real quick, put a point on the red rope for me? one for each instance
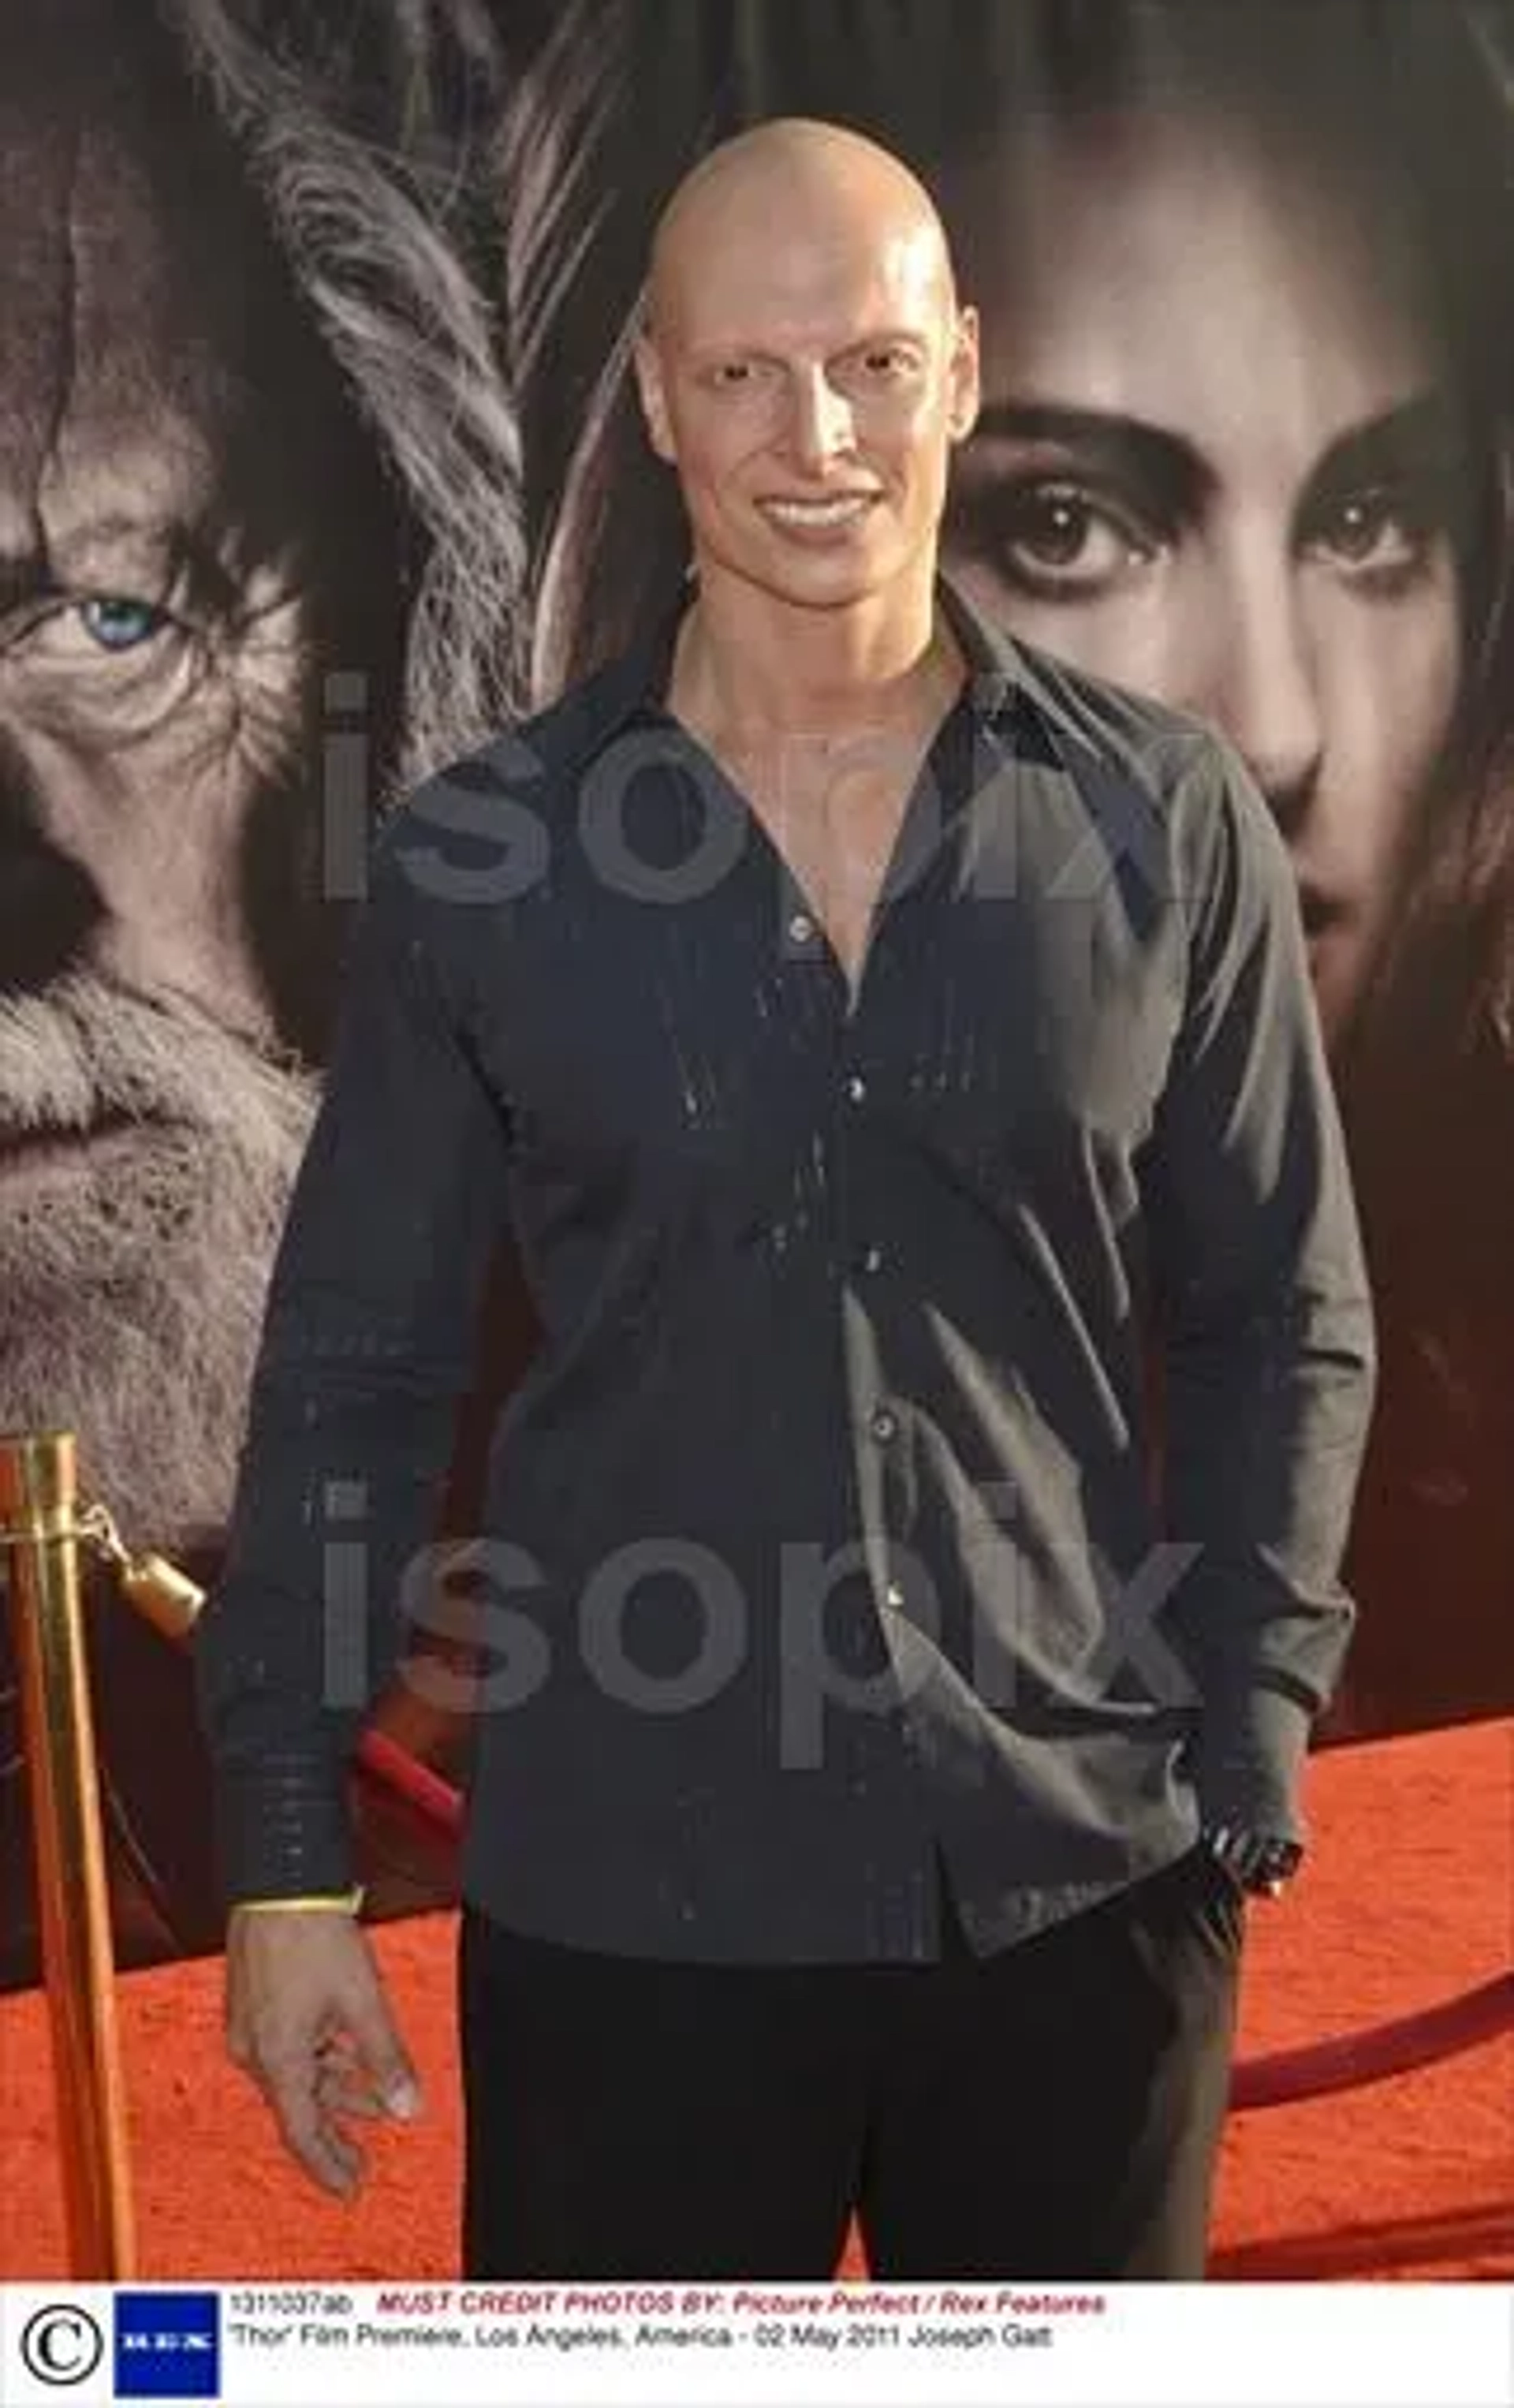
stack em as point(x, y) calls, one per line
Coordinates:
point(1373, 2053)
point(434, 1799)
point(1379, 2051)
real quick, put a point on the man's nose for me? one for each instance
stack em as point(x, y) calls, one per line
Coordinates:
point(49, 904)
point(820, 419)
point(1264, 691)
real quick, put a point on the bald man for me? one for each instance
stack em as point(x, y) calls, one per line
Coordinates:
point(880, 1048)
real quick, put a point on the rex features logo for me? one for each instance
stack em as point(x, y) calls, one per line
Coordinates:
point(167, 2345)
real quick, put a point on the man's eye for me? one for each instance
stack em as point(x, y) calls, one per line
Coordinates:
point(117, 623)
point(112, 640)
point(876, 364)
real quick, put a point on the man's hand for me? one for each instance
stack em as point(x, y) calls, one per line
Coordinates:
point(307, 2018)
point(1261, 1863)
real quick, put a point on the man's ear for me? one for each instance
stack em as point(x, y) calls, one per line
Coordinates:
point(966, 375)
point(648, 375)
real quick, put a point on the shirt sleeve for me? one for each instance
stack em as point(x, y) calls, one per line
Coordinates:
point(367, 1347)
point(1263, 1318)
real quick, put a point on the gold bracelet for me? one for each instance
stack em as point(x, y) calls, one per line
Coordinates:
point(347, 1902)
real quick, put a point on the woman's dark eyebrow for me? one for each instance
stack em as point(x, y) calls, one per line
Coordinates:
point(1419, 438)
point(1159, 464)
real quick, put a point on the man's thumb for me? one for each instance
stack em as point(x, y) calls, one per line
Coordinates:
point(395, 2077)
point(402, 2096)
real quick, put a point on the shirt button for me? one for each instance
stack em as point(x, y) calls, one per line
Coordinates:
point(856, 1088)
point(884, 1425)
point(801, 928)
point(870, 1259)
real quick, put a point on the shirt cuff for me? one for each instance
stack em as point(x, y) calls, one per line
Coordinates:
point(284, 1830)
point(1248, 1762)
point(343, 1902)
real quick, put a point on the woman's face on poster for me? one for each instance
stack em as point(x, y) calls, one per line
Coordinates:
point(1215, 463)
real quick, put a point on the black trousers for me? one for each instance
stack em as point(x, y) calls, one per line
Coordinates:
point(1050, 2113)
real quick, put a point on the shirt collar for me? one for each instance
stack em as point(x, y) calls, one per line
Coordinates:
point(631, 689)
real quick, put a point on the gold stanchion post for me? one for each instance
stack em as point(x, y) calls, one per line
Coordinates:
point(39, 1536)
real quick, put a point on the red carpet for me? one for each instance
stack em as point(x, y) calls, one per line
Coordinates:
point(1409, 1900)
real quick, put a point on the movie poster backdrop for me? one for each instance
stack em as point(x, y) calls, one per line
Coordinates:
point(320, 459)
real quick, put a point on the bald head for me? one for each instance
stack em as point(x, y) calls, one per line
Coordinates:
point(805, 368)
point(791, 180)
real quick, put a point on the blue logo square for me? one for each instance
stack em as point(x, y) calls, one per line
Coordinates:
point(167, 2345)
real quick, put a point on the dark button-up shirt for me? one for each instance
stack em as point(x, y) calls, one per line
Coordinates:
point(943, 1433)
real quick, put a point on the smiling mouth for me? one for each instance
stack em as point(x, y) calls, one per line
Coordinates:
point(832, 511)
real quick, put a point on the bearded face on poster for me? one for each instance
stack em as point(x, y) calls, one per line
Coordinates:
point(261, 554)
point(233, 540)
point(1246, 445)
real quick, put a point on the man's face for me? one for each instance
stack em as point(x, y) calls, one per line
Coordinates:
point(806, 374)
point(1212, 465)
point(175, 553)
